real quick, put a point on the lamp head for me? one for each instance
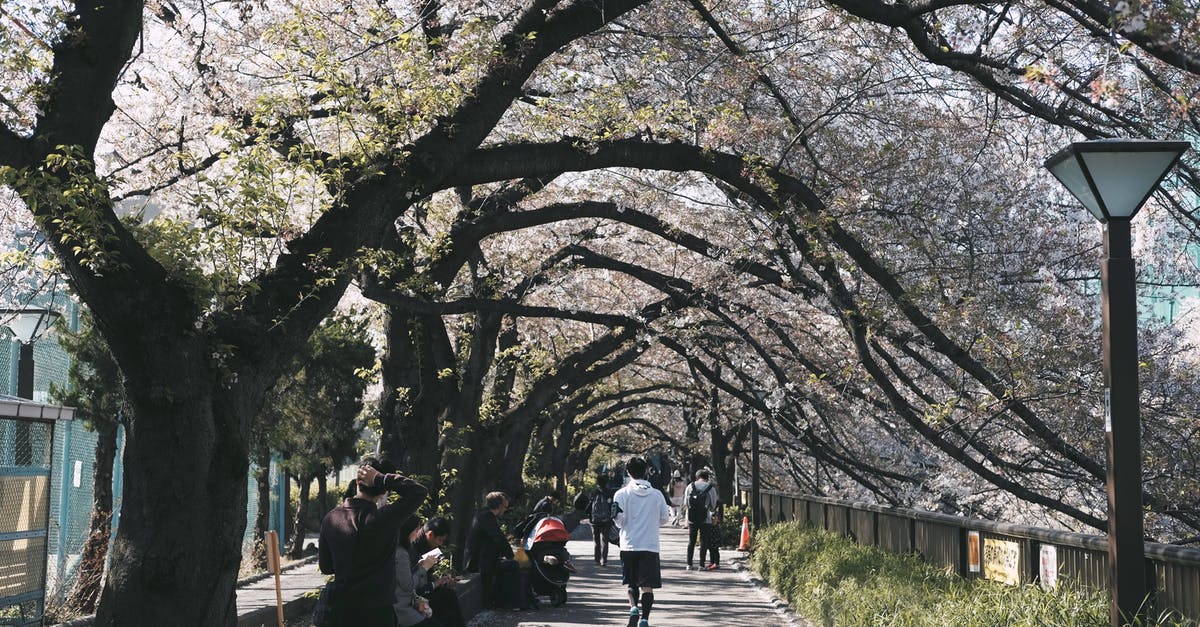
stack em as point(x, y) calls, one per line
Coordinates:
point(1114, 177)
point(27, 325)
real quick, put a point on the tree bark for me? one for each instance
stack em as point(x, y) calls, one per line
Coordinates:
point(415, 394)
point(295, 548)
point(322, 492)
point(262, 519)
point(178, 549)
point(86, 592)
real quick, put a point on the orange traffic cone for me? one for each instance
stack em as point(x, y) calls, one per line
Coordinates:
point(745, 545)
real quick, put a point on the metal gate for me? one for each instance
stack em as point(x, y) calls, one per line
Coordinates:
point(26, 452)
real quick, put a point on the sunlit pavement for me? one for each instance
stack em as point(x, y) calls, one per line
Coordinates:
point(725, 597)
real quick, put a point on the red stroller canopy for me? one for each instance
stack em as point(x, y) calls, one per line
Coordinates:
point(548, 529)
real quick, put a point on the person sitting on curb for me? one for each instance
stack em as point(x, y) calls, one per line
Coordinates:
point(487, 545)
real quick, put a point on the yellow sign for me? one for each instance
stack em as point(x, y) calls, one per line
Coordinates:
point(973, 551)
point(1001, 561)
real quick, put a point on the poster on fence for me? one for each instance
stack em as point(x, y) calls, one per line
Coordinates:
point(1001, 561)
point(1048, 567)
point(972, 551)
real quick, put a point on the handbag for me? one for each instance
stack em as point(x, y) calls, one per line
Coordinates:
point(522, 558)
point(612, 534)
point(326, 611)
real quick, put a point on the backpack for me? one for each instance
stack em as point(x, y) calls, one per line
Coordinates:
point(601, 508)
point(698, 505)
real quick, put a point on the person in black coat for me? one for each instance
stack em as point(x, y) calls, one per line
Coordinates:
point(486, 544)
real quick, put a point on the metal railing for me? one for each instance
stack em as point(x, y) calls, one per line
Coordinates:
point(1081, 559)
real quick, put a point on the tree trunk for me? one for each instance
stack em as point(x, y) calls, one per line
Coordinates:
point(465, 493)
point(295, 548)
point(721, 466)
point(508, 463)
point(415, 397)
point(262, 520)
point(86, 593)
point(398, 366)
point(323, 493)
point(177, 551)
point(563, 445)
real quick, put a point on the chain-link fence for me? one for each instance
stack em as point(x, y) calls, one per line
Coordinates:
point(25, 450)
point(71, 498)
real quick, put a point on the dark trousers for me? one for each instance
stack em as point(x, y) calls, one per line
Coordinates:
point(487, 583)
point(601, 542)
point(693, 532)
point(444, 602)
point(369, 616)
point(714, 549)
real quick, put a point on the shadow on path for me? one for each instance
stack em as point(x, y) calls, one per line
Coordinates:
point(595, 596)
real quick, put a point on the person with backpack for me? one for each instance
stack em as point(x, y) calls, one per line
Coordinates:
point(599, 513)
point(700, 502)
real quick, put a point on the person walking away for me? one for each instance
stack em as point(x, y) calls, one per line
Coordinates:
point(700, 501)
point(412, 610)
point(599, 512)
point(639, 510)
point(358, 543)
point(487, 546)
point(676, 489)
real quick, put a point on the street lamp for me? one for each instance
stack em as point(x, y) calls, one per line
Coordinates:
point(755, 470)
point(26, 325)
point(1113, 178)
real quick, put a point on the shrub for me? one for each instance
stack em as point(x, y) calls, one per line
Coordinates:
point(833, 581)
point(731, 524)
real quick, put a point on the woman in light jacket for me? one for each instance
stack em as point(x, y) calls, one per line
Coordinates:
point(411, 610)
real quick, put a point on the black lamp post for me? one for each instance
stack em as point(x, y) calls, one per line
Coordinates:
point(755, 476)
point(1113, 178)
point(27, 325)
point(755, 469)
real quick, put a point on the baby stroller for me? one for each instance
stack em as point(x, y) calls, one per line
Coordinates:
point(546, 546)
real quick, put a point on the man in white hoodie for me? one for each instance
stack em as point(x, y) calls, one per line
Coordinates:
point(639, 509)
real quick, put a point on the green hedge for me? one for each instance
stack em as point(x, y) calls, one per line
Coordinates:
point(831, 580)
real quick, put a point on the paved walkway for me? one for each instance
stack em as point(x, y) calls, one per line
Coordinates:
point(256, 600)
point(728, 597)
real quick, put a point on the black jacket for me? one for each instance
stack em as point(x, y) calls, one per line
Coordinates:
point(358, 542)
point(486, 544)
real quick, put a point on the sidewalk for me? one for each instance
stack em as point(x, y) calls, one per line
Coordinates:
point(729, 597)
point(256, 600)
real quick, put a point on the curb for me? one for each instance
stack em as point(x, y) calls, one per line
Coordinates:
point(786, 613)
point(291, 609)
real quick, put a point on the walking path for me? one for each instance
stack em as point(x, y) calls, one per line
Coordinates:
point(729, 597)
point(256, 599)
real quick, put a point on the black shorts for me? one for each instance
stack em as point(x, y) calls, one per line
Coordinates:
point(640, 569)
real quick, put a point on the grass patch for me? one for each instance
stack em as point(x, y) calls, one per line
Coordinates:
point(832, 580)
